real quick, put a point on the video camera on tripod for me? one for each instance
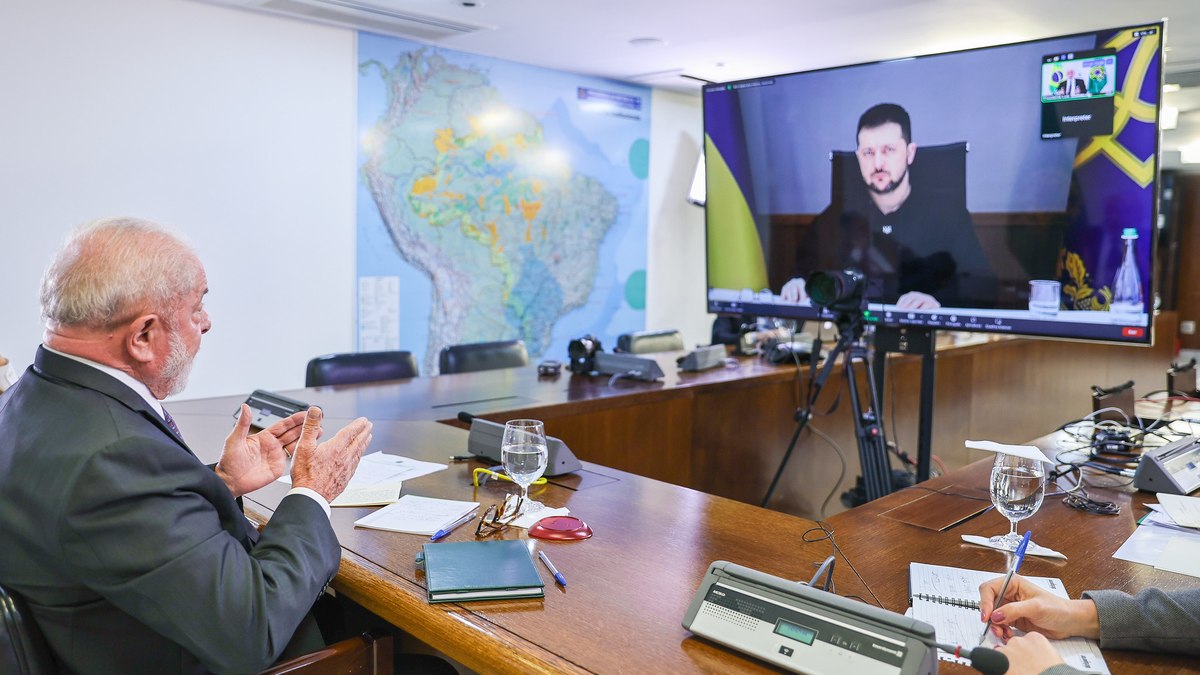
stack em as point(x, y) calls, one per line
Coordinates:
point(841, 292)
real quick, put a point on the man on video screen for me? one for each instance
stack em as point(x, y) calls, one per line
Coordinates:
point(913, 239)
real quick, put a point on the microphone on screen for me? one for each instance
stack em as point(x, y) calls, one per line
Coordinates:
point(465, 417)
point(983, 659)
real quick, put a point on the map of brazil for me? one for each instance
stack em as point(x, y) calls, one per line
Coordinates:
point(496, 201)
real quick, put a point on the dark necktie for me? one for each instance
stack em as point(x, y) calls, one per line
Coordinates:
point(171, 423)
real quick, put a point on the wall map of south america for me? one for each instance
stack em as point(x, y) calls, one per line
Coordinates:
point(496, 201)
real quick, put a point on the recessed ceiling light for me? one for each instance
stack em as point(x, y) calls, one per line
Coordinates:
point(1171, 88)
point(648, 42)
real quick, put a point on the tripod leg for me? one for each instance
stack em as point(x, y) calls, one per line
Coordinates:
point(872, 444)
point(800, 424)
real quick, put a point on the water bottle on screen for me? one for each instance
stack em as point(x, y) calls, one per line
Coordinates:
point(1127, 285)
point(523, 453)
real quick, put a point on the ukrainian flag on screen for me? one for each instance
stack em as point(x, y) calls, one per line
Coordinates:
point(735, 252)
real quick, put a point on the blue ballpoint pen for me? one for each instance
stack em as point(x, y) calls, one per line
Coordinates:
point(447, 529)
point(550, 566)
point(1016, 566)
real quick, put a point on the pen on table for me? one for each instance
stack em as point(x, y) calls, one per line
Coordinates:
point(447, 529)
point(550, 566)
point(462, 458)
point(1016, 566)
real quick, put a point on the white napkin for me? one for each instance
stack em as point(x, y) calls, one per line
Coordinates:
point(527, 519)
point(1032, 549)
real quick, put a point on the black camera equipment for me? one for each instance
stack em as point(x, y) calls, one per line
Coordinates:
point(836, 291)
point(581, 353)
point(842, 293)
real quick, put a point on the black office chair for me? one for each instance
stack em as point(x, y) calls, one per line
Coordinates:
point(477, 356)
point(940, 169)
point(359, 367)
point(22, 648)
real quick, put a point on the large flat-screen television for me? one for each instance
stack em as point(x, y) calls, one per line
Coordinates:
point(1009, 189)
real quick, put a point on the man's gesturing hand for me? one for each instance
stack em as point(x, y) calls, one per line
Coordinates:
point(327, 468)
point(250, 461)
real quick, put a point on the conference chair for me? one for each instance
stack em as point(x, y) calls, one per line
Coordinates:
point(358, 367)
point(469, 358)
point(23, 650)
point(366, 654)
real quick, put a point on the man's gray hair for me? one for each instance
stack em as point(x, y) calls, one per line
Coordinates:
point(113, 269)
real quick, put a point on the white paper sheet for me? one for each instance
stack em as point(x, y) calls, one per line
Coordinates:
point(1184, 511)
point(1182, 555)
point(1146, 544)
point(416, 515)
point(379, 468)
point(368, 495)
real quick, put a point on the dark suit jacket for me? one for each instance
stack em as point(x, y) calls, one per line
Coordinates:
point(133, 555)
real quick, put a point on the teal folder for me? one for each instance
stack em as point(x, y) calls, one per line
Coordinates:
point(480, 570)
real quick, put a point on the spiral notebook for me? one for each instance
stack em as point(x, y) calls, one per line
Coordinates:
point(947, 598)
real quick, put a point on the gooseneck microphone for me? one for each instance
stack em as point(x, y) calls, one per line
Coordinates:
point(985, 660)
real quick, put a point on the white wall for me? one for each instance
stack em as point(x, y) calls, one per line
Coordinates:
point(235, 127)
point(239, 129)
point(675, 278)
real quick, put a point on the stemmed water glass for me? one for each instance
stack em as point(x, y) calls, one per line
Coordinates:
point(523, 453)
point(1018, 486)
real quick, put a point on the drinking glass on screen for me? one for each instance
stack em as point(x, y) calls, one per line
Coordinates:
point(1018, 486)
point(1044, 295)
point(523, 453)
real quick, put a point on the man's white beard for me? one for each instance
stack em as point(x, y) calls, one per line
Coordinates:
point(178, 366)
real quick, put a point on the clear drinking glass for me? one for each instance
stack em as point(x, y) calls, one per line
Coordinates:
point(523, 453)
point(1018, 486)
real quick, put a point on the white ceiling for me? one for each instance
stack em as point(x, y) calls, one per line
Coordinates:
point(721, 40)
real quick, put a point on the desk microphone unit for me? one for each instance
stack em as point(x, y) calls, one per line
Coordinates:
point(807, 630)
point(486, 436)
point(1174, 468)
point(625, 365)
point(712, 356)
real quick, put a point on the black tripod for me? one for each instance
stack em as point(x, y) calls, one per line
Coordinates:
point(872, 443)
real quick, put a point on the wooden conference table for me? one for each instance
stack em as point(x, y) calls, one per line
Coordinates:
point(879, 548)
point(630, 584)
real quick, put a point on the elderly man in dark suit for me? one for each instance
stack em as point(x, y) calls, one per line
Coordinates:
point(133, 556)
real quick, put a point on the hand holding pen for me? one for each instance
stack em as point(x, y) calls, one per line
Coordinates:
point(1029, 607)
point(1020, 558)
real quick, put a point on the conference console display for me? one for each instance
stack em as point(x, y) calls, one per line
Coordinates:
point(1007, 189)
point(1174, 468)
point(806, 630)
point(485, 439)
